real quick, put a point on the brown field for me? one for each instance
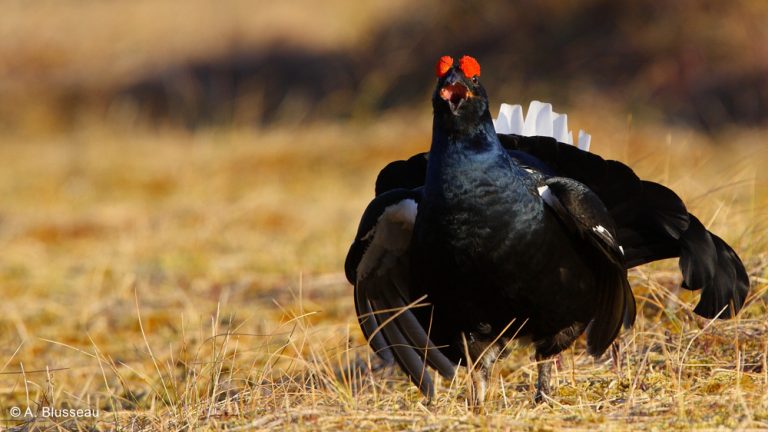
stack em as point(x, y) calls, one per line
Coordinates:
point(192, 280)
point(177, 280)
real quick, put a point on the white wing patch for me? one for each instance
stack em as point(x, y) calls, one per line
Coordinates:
point(600, 229)
point(403, 212)
point(606, 235)
point(390, 237)
point(546, 194)
point(539, 121)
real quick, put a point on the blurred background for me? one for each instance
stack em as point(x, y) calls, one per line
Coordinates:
point(196, 164)
point(258, 63)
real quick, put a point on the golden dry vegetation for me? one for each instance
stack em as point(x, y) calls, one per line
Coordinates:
point(192, 280)
point(177, 280)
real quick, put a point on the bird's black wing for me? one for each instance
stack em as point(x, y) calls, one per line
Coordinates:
point(652, 222)
point(586, 217)
point(403, 174)
point(378, 265)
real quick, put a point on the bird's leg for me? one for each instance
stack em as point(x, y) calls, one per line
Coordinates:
point(548, 348)
point(481, 355)
point(616, 355)
point(543, 388)
point(479, 386)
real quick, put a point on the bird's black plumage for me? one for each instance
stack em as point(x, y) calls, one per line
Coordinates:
point(504, 235)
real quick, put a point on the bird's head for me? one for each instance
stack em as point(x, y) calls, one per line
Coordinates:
point(459, 97)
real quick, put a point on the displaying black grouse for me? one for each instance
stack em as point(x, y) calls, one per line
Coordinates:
point(494, 236)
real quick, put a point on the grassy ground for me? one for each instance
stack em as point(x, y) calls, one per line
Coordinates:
point(178, 281)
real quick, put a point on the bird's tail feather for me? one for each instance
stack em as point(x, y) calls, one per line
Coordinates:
point(709, 264)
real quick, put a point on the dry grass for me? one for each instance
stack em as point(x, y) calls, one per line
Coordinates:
point(193, 281)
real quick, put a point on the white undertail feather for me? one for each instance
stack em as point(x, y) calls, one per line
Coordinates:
point(584, 140)
point(539, 121)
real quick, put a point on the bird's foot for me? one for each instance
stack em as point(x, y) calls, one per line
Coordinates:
point(541, 396)
point(616, 355)
point(478, 390)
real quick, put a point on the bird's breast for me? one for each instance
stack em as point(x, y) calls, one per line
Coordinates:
point(477, 219)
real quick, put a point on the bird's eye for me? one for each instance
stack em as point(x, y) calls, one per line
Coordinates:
point(474, 79)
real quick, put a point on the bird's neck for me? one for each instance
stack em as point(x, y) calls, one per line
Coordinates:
point(466, 151)
point(473, 192)
point(461, 160)
point(464, 142)
point(467, 125)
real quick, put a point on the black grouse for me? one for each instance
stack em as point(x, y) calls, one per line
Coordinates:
point(493, 236)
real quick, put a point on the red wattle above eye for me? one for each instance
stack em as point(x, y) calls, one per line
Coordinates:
point(443, 65)
point(469, 66)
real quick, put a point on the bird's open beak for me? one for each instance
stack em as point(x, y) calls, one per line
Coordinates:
point(455, 93)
